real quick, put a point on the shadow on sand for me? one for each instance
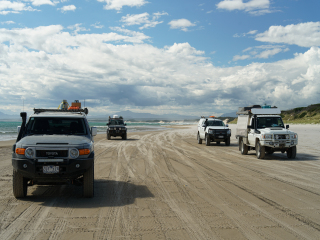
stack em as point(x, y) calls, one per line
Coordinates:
point(107, 193)
point(277, 156)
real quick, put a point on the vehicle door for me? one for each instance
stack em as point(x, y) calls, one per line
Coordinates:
point(252, 134)
point(202, 128)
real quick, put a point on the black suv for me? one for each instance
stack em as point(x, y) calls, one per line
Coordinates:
point(116, 127)
point(54, 147)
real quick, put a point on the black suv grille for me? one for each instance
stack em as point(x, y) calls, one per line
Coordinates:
point(52, 153)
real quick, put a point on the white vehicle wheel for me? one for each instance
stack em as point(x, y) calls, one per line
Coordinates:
point(243, 148)
point(260, 151)
point(292, 152)
point(199, 139)
point(207, 140)
point(228, 142)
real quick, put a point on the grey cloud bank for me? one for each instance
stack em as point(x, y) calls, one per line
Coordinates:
point(120, 71)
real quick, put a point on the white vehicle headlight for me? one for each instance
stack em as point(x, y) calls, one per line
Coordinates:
point(293, 136)
point(211, 131)
point(229, 131)
point(267, 136)
point(74, 153)
point(30, 153)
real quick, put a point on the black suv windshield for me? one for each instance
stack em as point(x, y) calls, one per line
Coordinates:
point(116, 122)
point(51, 125)
point(215, 123)
point(266, 122)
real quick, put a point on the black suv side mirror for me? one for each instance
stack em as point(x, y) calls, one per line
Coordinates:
point(287, 126)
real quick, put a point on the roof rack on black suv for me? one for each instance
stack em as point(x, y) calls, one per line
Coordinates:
point(40, 110)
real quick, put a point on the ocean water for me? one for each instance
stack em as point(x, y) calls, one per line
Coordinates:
point(8, 129)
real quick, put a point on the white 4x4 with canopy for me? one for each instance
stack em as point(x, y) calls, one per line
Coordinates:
point(262, 129)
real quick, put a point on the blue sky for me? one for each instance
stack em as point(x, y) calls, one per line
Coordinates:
point(189, 57)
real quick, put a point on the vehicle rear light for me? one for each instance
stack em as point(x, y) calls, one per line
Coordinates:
point(20, 151)
point(84, 151)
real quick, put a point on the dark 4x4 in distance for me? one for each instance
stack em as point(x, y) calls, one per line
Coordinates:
point(54, 147)
point(116, 127)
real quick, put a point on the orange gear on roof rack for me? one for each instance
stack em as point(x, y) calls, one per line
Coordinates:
point(73, 108)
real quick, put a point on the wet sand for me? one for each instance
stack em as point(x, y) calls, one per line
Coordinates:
point(164, 185)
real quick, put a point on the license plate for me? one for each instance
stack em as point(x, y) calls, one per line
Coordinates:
point(221, 136)
point(50, 169)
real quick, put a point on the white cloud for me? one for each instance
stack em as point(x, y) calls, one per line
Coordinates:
point(240, 57)
point(7, 7)
point(303, 34)
point(8, 22)
point(252, 32)
point(118, 4)
point(136, 37)
point(183, 24)
point(44, 65)
point(77, 28)
point(142, 19)
point(245, 34)
point(68, 8)
point(255, 7)
point(97, 25)
point(42, 2)
point(264, 51)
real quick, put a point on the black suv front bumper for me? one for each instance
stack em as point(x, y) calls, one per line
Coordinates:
point(117, 132)
point(69, 169)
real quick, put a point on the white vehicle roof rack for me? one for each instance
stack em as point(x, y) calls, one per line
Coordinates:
point(257, 109)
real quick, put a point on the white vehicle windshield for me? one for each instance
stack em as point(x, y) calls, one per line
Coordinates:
point(214, 123)
point(266, 122)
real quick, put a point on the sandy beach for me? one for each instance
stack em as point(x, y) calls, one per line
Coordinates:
point(164, 185)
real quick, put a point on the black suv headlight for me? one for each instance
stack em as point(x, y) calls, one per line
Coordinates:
point(30, 152)
point(73, 153)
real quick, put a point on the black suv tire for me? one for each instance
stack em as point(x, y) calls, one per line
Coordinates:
point(88, 183)
point(20, 186)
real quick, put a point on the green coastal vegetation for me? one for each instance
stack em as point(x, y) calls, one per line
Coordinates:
point(299, 115)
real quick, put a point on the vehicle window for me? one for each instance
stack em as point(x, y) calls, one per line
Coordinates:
point(116, 122)
point(215, 123)
point(265, 122)
point(52, 125)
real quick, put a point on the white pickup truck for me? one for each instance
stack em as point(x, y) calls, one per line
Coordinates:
point(262, 129)
point(212, 129)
